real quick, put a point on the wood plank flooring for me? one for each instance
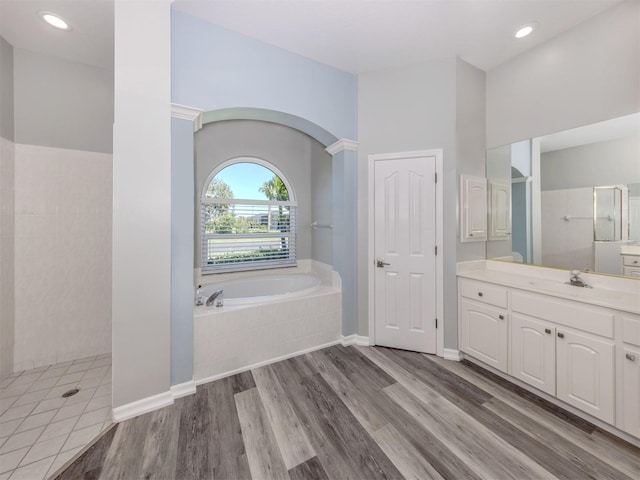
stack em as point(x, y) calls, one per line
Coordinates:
point(359, 413)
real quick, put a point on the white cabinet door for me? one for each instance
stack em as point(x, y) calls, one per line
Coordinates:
point(533, 352)
point(473, 209)
point(631, 391)
point(585, 374)
point(500, 211)
point(483, 333)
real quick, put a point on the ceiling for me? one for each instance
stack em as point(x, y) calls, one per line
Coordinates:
point(353, 35)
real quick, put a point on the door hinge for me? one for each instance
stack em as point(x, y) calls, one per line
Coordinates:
point(436, 250)
point(436, 323)
point(436, 177)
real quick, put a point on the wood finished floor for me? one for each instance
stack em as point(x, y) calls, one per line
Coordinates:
point(359, 413)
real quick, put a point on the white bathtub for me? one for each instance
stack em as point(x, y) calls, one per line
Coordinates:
point(263, 289)
point(265, 318)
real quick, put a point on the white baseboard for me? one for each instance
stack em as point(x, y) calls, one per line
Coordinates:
point(183, 389)
point(453, 354)
point(142, 406)
point(354, 340)
point(218, 376)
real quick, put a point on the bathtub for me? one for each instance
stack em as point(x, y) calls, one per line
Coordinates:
point(265, 318)
point(263, 289)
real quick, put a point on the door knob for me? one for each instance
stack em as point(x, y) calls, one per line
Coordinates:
point(380, 263)
point(630, 356)
point(561, 335)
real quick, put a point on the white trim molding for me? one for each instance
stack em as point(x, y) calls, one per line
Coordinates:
point(453, 354)
point(142, 406)
point(183, 389)
point(354, 340)
point(342, 144)
point(188, 113)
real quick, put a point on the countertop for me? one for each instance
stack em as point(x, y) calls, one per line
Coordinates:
point(610, 292)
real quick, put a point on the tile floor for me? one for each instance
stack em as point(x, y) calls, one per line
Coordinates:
point(39, 429)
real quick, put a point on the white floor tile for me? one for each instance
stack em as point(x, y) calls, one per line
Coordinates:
point(58, 390)
point(54, 371)
point(33, 471)
point(97, 372)
point(7, 428)
point(79, 367)
point(98, 402)
point(56, 429)
point(44, 450)
point(49, 404)
point(9, 461)
point(104, 389)
point(38, 420)
point(101, 362)
point(30, 397)
point(6, 403)
point(17, 412)
point(20, 440)
point(43, 384)
point(74, 410)
point(80, 438)
point(26, 378)
point(94, 417)
point(61, 459)
point(5, 476)
point(67, 379)
point(13, 390)
point(91, 382)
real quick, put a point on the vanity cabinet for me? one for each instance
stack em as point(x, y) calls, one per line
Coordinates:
point(484, 326)
point(631, 265)
point(533, 352)
point(585, 373)
point(585, 355)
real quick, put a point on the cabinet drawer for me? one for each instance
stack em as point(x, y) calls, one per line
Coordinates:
point(631, 329)
point(631, 271)
point(631, 260)
point(571, 314)
point(484, 292)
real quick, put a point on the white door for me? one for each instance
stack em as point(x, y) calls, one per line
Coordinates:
point(404, 250)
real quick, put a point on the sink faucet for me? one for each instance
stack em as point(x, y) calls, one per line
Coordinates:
point(576, 281)
point(215, 297)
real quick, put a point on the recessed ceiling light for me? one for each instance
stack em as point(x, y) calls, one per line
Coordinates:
point(55, 20)
point(524, 31)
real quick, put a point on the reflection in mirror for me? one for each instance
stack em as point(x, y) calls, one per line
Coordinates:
point(575, 197)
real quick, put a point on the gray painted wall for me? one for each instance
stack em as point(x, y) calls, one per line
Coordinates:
point(62, 104)
point(289, 150)
point(416, 108)
point(6, 90)
point(588, 74)
point(614, 162)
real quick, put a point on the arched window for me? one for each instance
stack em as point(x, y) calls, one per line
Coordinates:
point(248, 218)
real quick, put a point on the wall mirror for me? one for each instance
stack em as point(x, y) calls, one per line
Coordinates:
point(574, 197)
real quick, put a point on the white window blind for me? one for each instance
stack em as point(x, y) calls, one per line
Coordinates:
point(247, 234)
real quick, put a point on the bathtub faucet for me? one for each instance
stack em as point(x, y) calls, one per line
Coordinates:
point(216, 297)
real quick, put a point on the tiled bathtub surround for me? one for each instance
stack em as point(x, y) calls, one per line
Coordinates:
point(62, 255)
point(40, 430)
point(230, 339)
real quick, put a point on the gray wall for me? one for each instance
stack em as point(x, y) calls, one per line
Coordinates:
point(288, 150)
point(62, 104)
point(416, 108)
point(321, 207)
point(588, 74)
point(6, 90)
point(614, 162)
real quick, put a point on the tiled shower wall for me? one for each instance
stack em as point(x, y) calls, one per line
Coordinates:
point(63, 215)
point(567, 244)
point(7, 232)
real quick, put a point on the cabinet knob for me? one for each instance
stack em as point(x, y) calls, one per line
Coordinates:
point(631, 357)
point(635, 261)
point(479, 294)
point(501, 317)
point(547, 330)
point(560, 335)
